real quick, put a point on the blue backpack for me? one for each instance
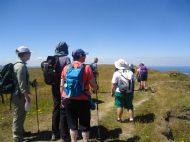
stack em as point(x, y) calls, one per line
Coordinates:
point(74, 85)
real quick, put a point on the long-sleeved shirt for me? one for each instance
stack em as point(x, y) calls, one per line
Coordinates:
point(22, 75)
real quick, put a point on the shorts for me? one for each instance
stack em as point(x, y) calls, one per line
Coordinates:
point(124, 100)
point(143, 78)
point(78, 113)
point(138, 79)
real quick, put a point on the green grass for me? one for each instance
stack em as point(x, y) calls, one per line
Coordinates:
point(171, 97)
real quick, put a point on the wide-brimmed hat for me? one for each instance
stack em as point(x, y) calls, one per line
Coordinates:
point(120, 64)
point(23, 49)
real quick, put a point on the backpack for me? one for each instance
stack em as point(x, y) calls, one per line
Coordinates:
point(8, 81)
point(126, 84)
point(74, 85)
point(143, 71)
point(51, 71)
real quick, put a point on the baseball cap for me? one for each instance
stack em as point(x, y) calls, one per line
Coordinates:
point(77, 53)
point(23, 49)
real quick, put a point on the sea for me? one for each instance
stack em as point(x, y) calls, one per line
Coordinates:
point(182, 69)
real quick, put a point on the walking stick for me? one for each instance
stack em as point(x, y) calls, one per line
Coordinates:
point(99, 135)
point(35, 85)
point(2, 98)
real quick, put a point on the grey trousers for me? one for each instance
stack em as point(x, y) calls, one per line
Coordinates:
point(19, 115)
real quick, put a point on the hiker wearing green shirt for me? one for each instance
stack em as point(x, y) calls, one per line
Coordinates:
point(21, 93)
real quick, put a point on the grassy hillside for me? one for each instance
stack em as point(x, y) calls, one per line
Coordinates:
point(161, 114)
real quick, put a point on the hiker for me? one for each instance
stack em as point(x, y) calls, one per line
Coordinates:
point(122, 89)
point(21, 93)
point(138, 77)
point(132, 68)
point(142, 73)
point(78, 107)
point(94, 68)
point(59, 123)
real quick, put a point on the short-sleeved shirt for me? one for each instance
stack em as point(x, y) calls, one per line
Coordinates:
point(117, 76)
point(87, 76)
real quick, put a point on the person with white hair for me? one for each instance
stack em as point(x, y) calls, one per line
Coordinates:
point(21, 93)
point(123, 89)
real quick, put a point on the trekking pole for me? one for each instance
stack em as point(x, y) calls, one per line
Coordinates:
point(99, 135)
point(2, 98)
point(35, 85)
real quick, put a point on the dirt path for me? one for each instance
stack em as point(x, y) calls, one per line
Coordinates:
point(45, 126)
point(127, 128)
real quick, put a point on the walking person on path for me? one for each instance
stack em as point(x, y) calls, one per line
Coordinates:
point(21, 94)
point(78, 107)
point(138, 77)
point(94, 68)
point(142, 72)
point(123, 89)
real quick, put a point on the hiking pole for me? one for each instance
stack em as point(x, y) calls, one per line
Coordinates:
point(35, 85)
point(99, 136)
point(2, 98)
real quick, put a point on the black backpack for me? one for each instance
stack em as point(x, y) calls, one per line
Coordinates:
point(8, 80)
point(49, 69)
point(52, 68)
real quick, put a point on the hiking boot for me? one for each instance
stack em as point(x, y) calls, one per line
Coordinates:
point(54, 137)
point(27, 133)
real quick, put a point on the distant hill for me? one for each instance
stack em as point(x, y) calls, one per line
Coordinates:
point(1, 67)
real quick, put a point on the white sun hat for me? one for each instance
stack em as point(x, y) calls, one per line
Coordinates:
point(23, 49)
point(120, 64)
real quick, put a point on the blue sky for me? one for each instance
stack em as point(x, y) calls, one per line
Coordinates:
point(156, 32)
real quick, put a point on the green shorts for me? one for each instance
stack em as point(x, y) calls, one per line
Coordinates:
point(124, 100)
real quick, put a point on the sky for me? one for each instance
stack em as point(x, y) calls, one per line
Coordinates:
point(156, 32)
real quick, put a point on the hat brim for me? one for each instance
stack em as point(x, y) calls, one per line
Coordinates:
point(119, 67)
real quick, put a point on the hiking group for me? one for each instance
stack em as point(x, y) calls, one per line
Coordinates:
point(71, 86)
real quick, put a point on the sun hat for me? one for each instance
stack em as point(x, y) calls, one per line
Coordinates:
point(61, 49)
point(23, 49)
point(77, 53)
point(120, 64)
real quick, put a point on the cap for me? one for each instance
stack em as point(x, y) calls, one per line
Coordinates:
point(23, 49)
point(77, 53)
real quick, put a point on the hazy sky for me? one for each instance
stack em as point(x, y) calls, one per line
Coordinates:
point(156, 32)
